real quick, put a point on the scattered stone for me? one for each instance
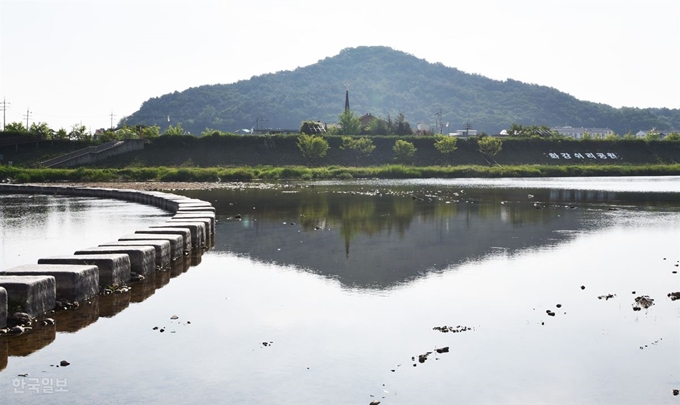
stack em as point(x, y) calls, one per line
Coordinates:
point(606, 297)
point(442, 350)
point(162, 330)
point(676, 392)
point(559, 305)
point(642, 301)
point(155, 328)
point(18, 329)
point(423, 357)
point(64, 363)
point(174, 317)
point(374, 403)
point(550, 313)
point(48, 321)
point(583, 287)
point(21, 319)
point(674, 296)
point(452, 329)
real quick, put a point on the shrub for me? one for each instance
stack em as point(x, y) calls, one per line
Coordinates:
point(403, 151)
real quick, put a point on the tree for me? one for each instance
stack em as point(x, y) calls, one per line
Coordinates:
point(490, 146)
point(42, 129)
point(176, 130)
point(673, 136)
point(612, 137)
point(78, 133)
point(60, 135)
point(348, 124)
point(403, 151)
point(401, 126)
point(15, 127)
point(652, 135)
point(108, 136)
point(127, 133)
point(313, 147)
point(153, 131)
point(446, 144)
point(362, 147)
point(628, 136)
point(377, 126)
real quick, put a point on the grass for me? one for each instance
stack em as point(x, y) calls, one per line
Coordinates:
point(247, 173)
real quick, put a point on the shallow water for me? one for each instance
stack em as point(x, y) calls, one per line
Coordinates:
point(345, 282)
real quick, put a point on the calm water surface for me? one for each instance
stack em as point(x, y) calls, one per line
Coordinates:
point(344, 282)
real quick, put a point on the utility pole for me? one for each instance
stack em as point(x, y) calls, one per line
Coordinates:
point(28, 115)
point(439, 122)
point(112, 115)
point(4, 108)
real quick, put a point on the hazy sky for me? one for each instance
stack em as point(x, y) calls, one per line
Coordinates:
point(71, 61)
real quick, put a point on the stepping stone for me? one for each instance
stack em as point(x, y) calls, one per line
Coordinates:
point(162, 249)
point(74, 282)
point(142, 258)
point(202, 215)
point(176, 241)
point(184, 232)
point(3, 309)
point(114, 269)
point(194, 208)
point(197, 229)
point(34, 294)
point(207, 223)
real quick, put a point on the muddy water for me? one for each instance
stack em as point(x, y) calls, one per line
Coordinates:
point(330, 293)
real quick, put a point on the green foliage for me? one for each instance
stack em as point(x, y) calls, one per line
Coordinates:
point(490, 146)
point(446, 144)
point(362, 147)
point(673, 136)
point(60, 135)
point(401, 126)
point(15, 127)
point(348, 124)
point(41, 129)
point(313, 147)
point(403, 151)
point(652, 136)
point(24, 175)
point(176, 130)
point(377, 126)
point(79, 133)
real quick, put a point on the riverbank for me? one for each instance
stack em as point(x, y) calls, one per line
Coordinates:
point(272, 173)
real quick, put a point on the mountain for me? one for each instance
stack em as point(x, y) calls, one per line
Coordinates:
point(383, 81)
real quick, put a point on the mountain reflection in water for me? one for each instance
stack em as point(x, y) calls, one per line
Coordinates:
point(380, 237)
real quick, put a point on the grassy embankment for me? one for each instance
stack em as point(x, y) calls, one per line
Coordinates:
point(237, 158)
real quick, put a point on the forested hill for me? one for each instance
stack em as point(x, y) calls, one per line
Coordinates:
point(383, 82)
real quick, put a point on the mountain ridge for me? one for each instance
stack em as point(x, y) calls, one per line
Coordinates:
point(383, 81)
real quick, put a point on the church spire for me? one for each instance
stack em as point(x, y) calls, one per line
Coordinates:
point(346, 100)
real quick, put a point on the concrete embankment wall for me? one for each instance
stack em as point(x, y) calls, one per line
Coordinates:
point(69, 278)
point(95, 154)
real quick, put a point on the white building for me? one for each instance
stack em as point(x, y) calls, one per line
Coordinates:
point(577, 133)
